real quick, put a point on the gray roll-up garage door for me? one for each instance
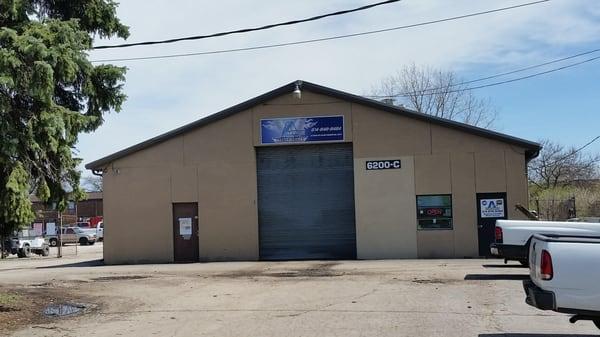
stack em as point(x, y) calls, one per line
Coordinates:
point(306, 202)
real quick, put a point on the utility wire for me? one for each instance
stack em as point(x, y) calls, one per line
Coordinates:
point(569, 154)
point(337, 37)
point(494, 76)
point(530, 67)
point(247, 30)
point(408, 94)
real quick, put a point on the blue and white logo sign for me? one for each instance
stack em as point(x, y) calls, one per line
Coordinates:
point(492, 208)
point(302, 129)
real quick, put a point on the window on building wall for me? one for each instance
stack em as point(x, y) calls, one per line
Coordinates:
point(71, 205)
point(434, 211)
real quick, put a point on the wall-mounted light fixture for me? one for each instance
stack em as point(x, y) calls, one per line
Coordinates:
point(297, 92)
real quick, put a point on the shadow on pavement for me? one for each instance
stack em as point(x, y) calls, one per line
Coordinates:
point(496, 277)
point(91, 263)
point(531, 335)
point(503, 266)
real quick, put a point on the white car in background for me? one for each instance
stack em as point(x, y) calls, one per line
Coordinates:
point(100, 231)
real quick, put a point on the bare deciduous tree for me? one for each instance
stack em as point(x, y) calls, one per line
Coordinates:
point(559, 166)
point(92, 183)
point(438, 93)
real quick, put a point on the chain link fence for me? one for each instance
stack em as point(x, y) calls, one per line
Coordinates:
point(564, 209)
point(555, 209)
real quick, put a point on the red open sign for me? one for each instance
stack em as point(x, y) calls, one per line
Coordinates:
point(435, 211)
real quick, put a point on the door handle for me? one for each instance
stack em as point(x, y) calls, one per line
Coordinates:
point(479, 226)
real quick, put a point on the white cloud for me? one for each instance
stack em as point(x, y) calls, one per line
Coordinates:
point(164, 94)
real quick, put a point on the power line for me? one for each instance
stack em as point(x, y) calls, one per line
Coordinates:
point(497, 75)
point(531, 67)
point(581, 148)
point(407, 94)
point(247, 30)
point(337, 37)
point(570, 154)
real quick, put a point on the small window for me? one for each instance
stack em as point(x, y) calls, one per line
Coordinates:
point(71, 205)
point(70, 231)
point(434, 211)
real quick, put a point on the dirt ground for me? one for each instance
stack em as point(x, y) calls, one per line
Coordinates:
point(480, 298)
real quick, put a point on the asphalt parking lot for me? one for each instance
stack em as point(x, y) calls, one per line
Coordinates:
point(310, 298)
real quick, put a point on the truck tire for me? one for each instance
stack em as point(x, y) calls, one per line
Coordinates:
point(597, 323)
point(45, 250)
point(83, 241)
point(53, 242)
point(24, 252)
point(525, 261)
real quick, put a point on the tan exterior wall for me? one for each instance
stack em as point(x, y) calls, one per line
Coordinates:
point(446, 161)
point(226, 163)
point(464, 204)
point(215, 166)
point(137, 229)
point(385, 211)
point(516, 182)
point(141, 188)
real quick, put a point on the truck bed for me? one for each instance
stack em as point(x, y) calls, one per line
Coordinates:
point(575, 282)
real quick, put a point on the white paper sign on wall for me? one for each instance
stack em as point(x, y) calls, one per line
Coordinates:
point(492, 208)
point(185, 226)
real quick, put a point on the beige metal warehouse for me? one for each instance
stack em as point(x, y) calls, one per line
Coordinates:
point(328, 175)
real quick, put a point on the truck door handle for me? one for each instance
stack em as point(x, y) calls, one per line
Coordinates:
point(480, 226)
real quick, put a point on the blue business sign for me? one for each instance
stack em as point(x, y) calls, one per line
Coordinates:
point(302, 129)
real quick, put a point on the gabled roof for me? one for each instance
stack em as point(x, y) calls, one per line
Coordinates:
point(531, 148)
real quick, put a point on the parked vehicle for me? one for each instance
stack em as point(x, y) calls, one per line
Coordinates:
point(94, 220)
point(564, 276)
point(513, 237)
point(100, 231)
point(74, 235)
point(24, 245)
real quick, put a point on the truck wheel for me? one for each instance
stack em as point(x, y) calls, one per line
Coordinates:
point(24, 252)
point(27, 251)
point(53, 242)
point(46, 251)
point(597, 323)
point(83, 241)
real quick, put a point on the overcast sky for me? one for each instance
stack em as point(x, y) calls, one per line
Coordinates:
point(165, 94)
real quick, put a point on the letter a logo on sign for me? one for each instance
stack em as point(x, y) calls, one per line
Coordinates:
point(492, 208)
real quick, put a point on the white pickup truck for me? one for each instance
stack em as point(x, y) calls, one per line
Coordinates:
point(24, 246)
point(565, 276)
point(513, 237)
